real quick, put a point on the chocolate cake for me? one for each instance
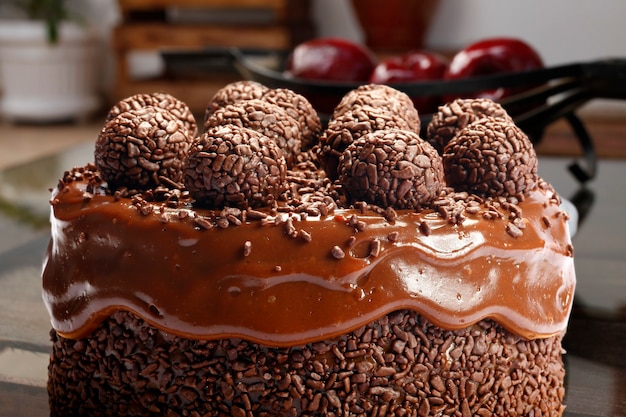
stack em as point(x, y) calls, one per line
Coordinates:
point(228, 282)
point(454, 116)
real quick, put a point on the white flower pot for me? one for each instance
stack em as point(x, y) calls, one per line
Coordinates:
point(42, 82)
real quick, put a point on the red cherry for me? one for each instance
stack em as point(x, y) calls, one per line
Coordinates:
point(492, 56)
point(412, 66)
point(331, 59)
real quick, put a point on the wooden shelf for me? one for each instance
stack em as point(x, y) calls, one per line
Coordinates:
point(158, 36)
point(129, 6)
point(151, 31)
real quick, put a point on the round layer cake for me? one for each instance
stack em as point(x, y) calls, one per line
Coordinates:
point(237, 284)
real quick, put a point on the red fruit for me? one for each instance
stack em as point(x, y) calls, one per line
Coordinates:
point(410, 67)
point(331, 59)
point(492, 56)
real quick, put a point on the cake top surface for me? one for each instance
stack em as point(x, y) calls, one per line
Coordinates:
point(245, 233)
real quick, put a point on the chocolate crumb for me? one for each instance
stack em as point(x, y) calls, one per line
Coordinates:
point(337, 252)
point(375, 248)
point(352, 221)
point(425, 229)
point(154, 310)
point(304, 235)
point(290, 229)
point(491, 215)
point(203, 223)
point(255, 214)
point(247, 248)
point(390, 215)
point(222, 223)
point(513, 230)
point(519, 222)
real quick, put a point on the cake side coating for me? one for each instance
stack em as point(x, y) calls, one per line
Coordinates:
point(399, 364)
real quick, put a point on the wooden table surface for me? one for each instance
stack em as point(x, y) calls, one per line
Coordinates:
point(595, 342)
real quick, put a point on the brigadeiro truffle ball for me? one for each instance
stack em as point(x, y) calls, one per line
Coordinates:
point(142, 148)
point(351, 125)
point(234, 92)
point(382, 97)
point(299, 108)
point(392, 168)
point(235, 166)
point(295, 105)
point(454, 116)
point(264, 117)
point(160, 100)
point(491, 157)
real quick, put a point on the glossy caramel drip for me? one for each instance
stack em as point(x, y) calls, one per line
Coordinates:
point(105, 255)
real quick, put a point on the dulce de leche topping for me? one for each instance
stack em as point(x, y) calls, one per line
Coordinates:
point(285, 278)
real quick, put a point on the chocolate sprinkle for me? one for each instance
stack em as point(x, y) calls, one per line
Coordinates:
point(247, 248)
point(391, 168)
point(491, 157)
point(337, 252)
point(400, 364)
point(141, 147)
point(235, 167)
point(454, 116)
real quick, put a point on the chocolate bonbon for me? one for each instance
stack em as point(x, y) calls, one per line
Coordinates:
point(491, 157)
point(391, 168)
point(142, 148)
point(160, 100)
point(236, 167)
point(451, 117)
point(366, 109)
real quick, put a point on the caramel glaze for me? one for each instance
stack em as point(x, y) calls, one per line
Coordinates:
point(104, 256)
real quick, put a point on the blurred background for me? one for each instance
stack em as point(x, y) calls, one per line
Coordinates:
point(132, 33)
point(58, 81)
